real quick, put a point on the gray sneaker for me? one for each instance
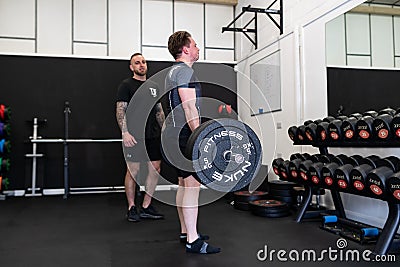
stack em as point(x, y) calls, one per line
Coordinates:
point(132, 215)
point(150, 213)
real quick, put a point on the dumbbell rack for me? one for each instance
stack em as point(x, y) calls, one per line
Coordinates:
point(393, 220)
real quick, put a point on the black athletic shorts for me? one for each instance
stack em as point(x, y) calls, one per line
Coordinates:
point(170, 135)
point(144, 150)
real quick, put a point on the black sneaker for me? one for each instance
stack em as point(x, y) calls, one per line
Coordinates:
point(132, 215)
point(150, 213)
point(201, 247)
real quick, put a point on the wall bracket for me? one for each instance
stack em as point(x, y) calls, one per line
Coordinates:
point(268, 11)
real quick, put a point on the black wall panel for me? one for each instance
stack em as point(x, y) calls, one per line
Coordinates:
point(359, 90)
point(35, 86)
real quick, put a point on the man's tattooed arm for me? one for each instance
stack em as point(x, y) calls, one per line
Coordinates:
point(120, 114)
point(160, 117)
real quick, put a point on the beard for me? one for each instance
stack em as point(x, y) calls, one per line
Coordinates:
point(140, 73)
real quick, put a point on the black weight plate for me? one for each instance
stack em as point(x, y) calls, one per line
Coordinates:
point(271, 204)
point(241, 205)
point(280, 185)
point(288, 200)
point(280, 193)
point(246, 196)
point(226, 154)
point(269, 208)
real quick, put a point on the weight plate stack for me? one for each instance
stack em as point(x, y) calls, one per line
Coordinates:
point(282, 191)
point(269, 208)
point(241, 199)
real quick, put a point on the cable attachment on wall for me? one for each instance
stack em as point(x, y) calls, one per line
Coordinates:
point(268, 11)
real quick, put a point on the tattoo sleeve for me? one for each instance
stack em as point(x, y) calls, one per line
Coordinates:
point(120, 114)
point(160, 117)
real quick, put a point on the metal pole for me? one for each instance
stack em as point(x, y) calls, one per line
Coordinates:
point(67, 111)
point(34, 149)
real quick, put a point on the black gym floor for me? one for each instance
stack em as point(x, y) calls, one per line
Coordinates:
point(91, 230)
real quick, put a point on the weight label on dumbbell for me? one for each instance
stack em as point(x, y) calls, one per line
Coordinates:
point(383, 133)
point(364, 134)
point(294, 174)
point(342, 184)
point(398, 132)
point(323, 135)
point(358, 185)
point(303, 175)
point(376, 189)
point(309, 136)
point(334, 136)
point(349, 134)
point(315, 179)
point(276, 171)
point(328, 180)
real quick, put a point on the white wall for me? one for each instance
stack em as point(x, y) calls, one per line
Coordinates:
point(304, 85)
point(112, 28)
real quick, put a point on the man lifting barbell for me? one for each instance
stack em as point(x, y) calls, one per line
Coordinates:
point(183, 92)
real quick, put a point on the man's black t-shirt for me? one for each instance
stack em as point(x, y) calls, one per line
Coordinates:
point(143, 104)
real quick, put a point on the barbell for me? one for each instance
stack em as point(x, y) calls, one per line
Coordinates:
point(223, 154)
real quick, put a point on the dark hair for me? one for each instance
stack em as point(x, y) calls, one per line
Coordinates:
point(177, 41)
point(134, 55)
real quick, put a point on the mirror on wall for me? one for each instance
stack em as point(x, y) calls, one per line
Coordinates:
point(363, 58)
point(366, 36)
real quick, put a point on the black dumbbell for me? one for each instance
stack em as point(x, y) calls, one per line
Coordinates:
point(284, 170)
point(334, 130)
point(395, 126)
point(328, 119)
point(315, 173)
point(376, 178)
point(303, 170)
point(348, 128)
point(294, 168)
point(358, 174)
point(372, 113)
point(387, 110)
point(382, 127)
point(302, 156)
point(341, 159)
point(364, 128)
point(376, 181)
point(328, 171)
point(275, 165)
point(292, 132)
point(322, 131)
point(304, 166)
point(355, 115)
point(311, 132)
point(301, 134)
point(393, 187)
